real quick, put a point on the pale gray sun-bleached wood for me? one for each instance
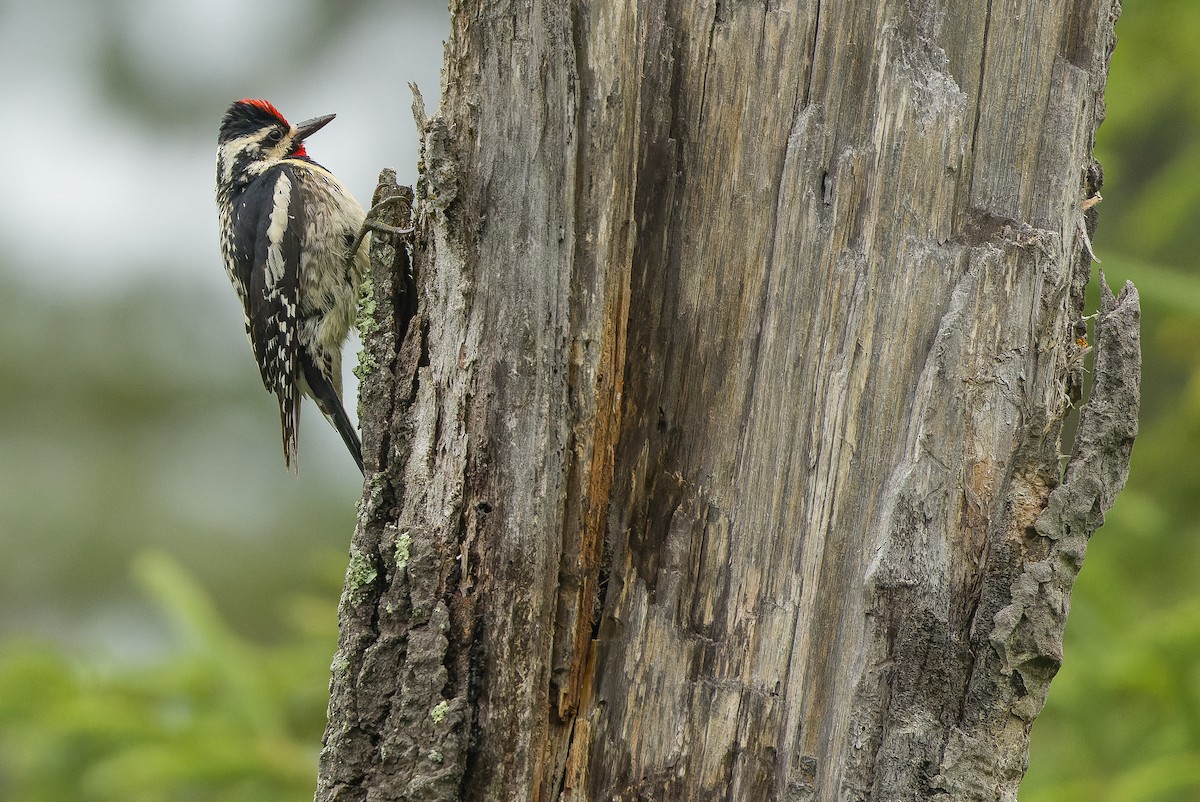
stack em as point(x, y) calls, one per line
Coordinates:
point(717, 420)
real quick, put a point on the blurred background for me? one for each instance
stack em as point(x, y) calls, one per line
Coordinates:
point(168, 592)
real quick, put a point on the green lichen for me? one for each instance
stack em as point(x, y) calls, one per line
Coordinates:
point(402, 544)
point(367, 326)
point(366, 290)
point(360, 575)
point(366, 323)
point(366, 365)
point(438, 714)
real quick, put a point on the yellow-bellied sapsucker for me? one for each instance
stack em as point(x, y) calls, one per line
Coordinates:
point(287, 231)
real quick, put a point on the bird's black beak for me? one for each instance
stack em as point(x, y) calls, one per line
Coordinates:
point(304, 129)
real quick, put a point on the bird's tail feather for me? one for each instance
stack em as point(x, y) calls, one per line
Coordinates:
point(330, 405)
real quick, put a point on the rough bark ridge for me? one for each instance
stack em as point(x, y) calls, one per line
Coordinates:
point(717, 428)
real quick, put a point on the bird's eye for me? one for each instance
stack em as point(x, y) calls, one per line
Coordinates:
point(274, 137)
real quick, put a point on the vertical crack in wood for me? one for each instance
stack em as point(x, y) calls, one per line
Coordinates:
point(599, 314)
point(983, 57)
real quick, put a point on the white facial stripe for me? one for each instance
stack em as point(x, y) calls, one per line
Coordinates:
point(228, 152)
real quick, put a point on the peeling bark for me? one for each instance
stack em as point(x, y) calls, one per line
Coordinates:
point(714, 426)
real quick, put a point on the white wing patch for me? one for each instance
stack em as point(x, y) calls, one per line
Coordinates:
point(277, 228)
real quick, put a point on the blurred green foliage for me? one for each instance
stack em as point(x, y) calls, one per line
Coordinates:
point(133, 427)
point(136, 422)
point(217, 719)
point(168, 590)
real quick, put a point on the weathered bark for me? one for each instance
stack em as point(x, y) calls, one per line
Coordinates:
point(715, 435)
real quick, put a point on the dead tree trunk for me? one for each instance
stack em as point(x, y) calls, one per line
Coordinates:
point(717, 424)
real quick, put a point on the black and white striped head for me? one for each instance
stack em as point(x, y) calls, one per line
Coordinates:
point(254, 136)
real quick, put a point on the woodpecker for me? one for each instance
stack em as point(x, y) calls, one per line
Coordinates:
point(290, 236)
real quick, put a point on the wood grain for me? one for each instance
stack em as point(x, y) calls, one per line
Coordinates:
point(723, 438)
